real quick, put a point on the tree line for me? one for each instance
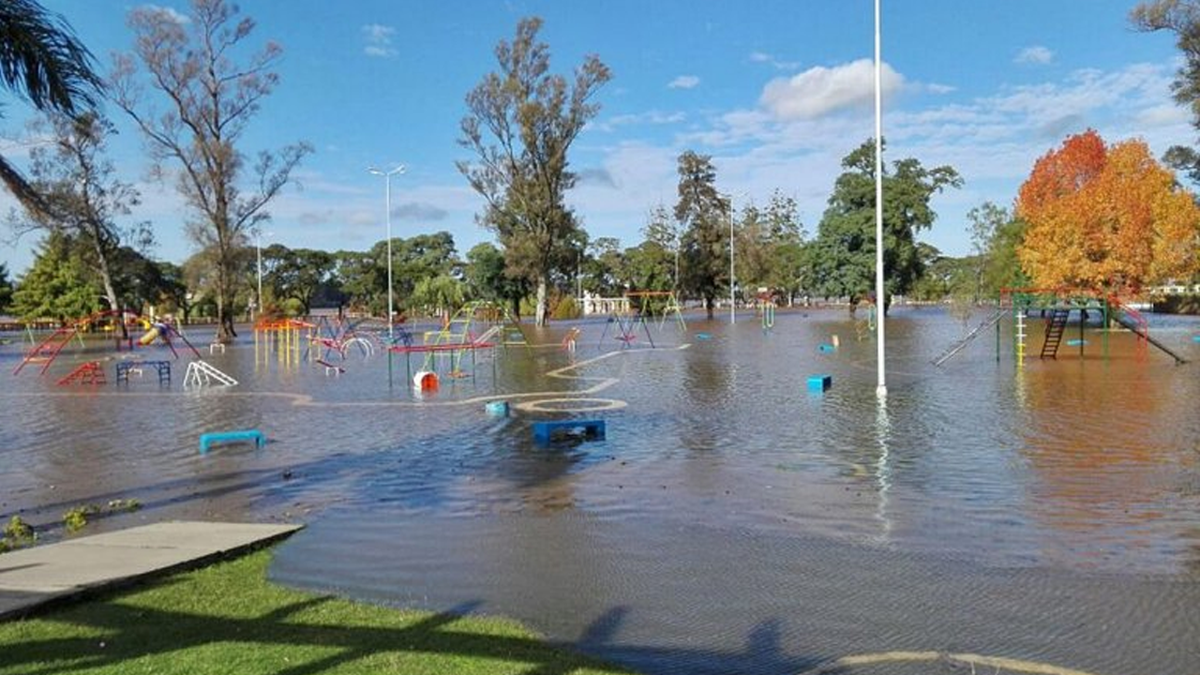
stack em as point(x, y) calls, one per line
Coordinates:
point(1091, 213)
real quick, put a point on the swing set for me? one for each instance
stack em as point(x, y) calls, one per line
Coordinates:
point(662, 306)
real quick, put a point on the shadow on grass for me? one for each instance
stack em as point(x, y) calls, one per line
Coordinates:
point(320, 634)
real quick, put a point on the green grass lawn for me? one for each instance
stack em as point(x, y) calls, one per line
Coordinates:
point(228, 619)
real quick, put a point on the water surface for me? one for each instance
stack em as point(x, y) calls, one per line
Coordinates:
point(730, 517)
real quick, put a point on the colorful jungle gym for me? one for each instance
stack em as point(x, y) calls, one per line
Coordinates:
point(478, 325)
point(1057, 306)
point(46, 351)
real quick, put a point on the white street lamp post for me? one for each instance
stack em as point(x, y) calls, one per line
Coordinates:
point(258, 248)
point(732, 304)
point(387, 175)
point(732, 301)
point(881, 389)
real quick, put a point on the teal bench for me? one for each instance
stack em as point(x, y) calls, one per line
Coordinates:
point(543, 430)
point(206, 440)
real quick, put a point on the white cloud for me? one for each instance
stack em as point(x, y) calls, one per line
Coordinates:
point(684, 82)
point(1167, 114)
point(763, 57)
point(379, 40)
point(819, 91)
point(181, 19)
point(650, 117)
point(1036, 55)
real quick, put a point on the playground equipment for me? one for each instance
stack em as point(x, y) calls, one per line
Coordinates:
point(542, 431)
point(1059, 303)
point(663, 305)
point(626, 329)
point(46, 351)
point(764, 306)
point(253, 435)
point(330, 369)
point(335, 337)
point(166, 333)
point(201, 374)
point(458, 338)
point(864, 328)
point(425, 380)
point(820, 383)
point(88, 373)
point(767, 312)
point(626, 322)
point(569, 340)
point(281, 337)
point(162, 368)
point(992, 319)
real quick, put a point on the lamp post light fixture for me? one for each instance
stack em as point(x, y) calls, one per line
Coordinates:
point(387, 175)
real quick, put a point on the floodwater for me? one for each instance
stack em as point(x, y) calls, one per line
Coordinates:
point(729, 520)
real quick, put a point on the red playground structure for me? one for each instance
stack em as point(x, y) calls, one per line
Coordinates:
point(48, 350)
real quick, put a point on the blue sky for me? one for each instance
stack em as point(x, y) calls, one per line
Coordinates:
point(776, 91)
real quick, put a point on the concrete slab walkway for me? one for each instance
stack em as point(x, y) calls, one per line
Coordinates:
point(35, 576)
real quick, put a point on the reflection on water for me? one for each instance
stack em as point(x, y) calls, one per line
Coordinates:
point(1085, 463)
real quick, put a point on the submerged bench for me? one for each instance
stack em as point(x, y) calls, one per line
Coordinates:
point(543, 430)
point(255, 435)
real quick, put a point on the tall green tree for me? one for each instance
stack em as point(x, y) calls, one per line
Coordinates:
point(487, 278)
point(649, 267)
point(604, 267)
point(663, 231)
point(441, 295)
point(86, 198)
point(843, 254)
point(704, 214)
point(363, 279)
point(766, 244)
point(521, 121)
point(57, 285)
point(6, 288)
point(174, 293)
point(421, 257)
point(298, 274)
point(208, 101)
point(42, 62)
point(996, 235)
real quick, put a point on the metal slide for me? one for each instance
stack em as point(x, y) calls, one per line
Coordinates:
point(955, 348)
point(1123, 319)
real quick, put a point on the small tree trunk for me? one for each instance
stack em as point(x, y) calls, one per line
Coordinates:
point(542, 302)
point(708, 306)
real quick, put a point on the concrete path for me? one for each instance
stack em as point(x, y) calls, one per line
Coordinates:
point(35, 576)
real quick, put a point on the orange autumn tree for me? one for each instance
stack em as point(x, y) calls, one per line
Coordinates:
point(1106, 217)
